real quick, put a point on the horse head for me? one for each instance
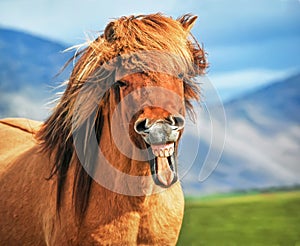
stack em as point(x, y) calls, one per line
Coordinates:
point(158, 121)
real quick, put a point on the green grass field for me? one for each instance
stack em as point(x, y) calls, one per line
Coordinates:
point(256, 219)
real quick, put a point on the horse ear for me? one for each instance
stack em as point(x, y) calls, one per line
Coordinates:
point(109, 32)
point(188, 21)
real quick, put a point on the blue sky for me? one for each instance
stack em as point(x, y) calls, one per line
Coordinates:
point(249, 43)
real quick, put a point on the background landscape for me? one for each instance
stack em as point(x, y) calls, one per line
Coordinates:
point(253, 80)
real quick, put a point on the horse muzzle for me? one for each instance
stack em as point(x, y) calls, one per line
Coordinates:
point(161, 137)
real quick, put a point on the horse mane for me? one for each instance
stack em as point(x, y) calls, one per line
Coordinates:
point(126, 35)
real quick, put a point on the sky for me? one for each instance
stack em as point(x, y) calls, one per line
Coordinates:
point(249, 43)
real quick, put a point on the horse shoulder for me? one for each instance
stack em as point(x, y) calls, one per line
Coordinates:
point(161, 220)
point(23, 185)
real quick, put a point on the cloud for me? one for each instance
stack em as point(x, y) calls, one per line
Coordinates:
point(28, 103)
point(234, 83)
point(68, 20)
point(248, 78)
point(218, 20)
point(247, 45)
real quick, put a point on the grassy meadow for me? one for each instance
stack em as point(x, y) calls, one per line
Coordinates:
point(234, 219)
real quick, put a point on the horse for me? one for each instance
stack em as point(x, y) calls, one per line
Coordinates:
point(102, 168)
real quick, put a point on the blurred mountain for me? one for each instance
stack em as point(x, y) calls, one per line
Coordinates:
point(262, 142)
point(28, 66)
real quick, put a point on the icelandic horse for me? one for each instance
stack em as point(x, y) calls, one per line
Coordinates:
point(102, 169)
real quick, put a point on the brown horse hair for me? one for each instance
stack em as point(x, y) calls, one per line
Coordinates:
point(154, 32)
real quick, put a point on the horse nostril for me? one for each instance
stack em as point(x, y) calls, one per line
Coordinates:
point(173, 123)
point(177, 121)
point(141, 126)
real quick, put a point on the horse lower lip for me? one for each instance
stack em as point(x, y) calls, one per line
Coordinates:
point(164, 173)
point(164, 176)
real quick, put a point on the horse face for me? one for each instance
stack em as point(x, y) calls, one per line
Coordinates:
point(159, 122)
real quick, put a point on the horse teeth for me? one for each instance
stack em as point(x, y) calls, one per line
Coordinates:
point(167, 153)
point(161, 153)
point(171, 151)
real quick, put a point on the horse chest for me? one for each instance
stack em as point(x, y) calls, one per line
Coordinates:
point(156, 222)
point(160, 224)
point(138, 229)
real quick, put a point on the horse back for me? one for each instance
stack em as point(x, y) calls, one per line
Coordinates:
point(16, 136)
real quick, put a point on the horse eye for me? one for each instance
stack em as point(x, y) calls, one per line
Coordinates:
point(121, 83)
point(180, 75)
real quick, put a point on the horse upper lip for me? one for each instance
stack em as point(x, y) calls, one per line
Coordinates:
point(160, 133)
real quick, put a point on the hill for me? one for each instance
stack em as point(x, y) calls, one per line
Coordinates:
point(262, 142)
point(28, 66)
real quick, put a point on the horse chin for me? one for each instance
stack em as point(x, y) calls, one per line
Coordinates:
point(163, 164)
